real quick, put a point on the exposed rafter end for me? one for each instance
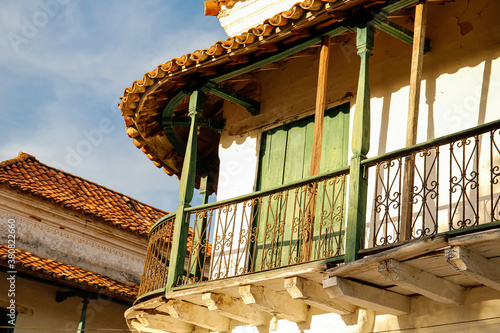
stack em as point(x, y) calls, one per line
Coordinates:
point(233, 96)
point(474, 266)
point(421, 282)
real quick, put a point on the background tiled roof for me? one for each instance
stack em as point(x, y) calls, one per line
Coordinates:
point(70, 275)
point(28, 175)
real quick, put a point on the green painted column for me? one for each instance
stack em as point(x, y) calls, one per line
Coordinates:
point(355, 229)
point(186, 188)
point(83, 316)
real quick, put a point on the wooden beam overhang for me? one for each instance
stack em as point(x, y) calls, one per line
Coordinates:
point(142, 320)
point(421, 282)
point(314, 295)
point(275, 303)
point(252, 106)
point(367, 297)
point(381, 22)
point(235, 309)
point(474, 266)
point(196, 315)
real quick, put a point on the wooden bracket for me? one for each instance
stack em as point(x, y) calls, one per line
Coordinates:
point(313, 294)
point(367, 297)
point(235, 309)
point(196, 315)
point(141, 321)
point(474, 266)
point(421, 282)
point(273, 302)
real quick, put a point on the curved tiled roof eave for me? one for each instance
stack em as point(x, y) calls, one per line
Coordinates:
point(70, 275)
point(272, 30)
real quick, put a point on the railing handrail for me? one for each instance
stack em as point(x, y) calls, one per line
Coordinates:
point(280, 188)
point(480, 129)
point(160, 222)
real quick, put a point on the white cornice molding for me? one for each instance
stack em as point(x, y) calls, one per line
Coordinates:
point(47, 229)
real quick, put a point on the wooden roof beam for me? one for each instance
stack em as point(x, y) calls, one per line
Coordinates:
point(474, 266)
point(381, 22)
point(235, 309)
point(233, 96)
point(273, 302)
point(421, 282)
point(367, 297)
point(313, 294)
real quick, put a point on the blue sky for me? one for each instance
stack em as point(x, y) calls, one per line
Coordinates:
point(63, 66)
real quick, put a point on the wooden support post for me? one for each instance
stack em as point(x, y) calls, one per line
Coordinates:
point(186, 188)
point(412, 123)
point(316, 148)
point(324, 57)
point(358, 183)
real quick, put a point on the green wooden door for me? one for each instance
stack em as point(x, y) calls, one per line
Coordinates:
point(285, 156)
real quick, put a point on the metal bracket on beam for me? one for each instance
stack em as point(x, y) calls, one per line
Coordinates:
point(228, 94)
point(381, 22)
point(216, 125)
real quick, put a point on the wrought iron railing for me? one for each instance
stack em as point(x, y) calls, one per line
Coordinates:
point(455, 186)
point(293, 224)
point(154, 275)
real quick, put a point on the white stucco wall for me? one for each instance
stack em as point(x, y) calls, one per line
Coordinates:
point(246, 14)
point(52, 232)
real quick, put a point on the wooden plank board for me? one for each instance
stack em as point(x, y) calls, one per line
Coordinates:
point(324, 58)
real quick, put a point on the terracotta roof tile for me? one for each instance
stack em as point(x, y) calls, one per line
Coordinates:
point(70, 275)
point(78, 194)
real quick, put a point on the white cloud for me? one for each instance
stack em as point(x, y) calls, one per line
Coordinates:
point(69, 75)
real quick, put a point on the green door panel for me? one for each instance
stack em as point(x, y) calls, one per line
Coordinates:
point(285, 156)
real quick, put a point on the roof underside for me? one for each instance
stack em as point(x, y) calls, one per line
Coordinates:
point(224, 62)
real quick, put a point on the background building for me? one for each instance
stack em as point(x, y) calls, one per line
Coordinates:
point(73, 239)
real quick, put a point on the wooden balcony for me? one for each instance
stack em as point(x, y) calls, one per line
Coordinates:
point(284, 253)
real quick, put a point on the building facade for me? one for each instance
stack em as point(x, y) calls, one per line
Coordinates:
point(353, 147)
point(67, 257)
